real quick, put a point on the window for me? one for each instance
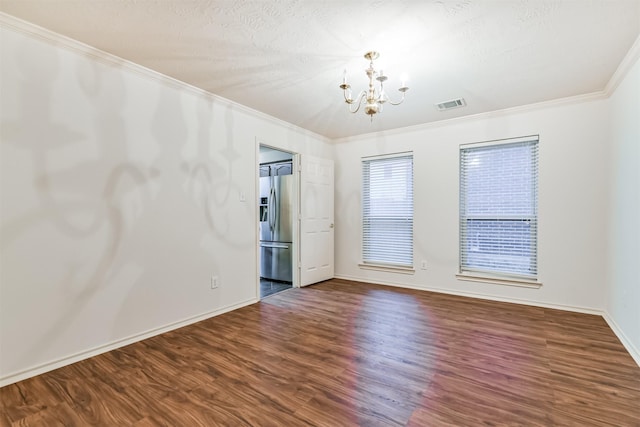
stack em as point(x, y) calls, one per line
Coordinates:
point(499, 208)
point(387, 210)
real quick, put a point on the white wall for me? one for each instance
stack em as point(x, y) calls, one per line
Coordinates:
point(120, 199)
point(572, 212)
point(623, 293)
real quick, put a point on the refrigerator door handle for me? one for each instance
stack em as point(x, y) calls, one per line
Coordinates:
point(272, 209)
point(275, 245)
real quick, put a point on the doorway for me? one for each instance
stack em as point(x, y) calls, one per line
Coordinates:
point(277, 204)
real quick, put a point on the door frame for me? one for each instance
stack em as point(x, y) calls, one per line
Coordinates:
point(295, 244)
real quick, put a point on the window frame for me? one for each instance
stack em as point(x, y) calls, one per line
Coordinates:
point(485, 274)
point(377, 264)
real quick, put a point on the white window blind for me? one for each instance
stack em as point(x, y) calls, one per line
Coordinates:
point(499, 208)
point(387, 210)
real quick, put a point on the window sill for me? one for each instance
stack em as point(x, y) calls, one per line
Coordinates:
point(523, 283)
point(388, 268)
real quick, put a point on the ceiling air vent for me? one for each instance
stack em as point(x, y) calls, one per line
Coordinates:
point(448, 105)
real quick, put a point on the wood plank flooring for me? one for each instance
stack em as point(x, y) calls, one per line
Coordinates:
point(343, 353)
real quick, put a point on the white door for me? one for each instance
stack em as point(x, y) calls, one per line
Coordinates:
point(316, 220)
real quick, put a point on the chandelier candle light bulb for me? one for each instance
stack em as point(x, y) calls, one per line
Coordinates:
point(373, 98)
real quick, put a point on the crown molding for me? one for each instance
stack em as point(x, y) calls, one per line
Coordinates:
point(58, 40)
point(82, 49)
point(577, 99)
point(630, 59)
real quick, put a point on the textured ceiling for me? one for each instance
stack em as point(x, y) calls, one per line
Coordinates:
point(286, 57)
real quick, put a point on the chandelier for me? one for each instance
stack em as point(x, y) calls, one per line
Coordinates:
point(375, 97)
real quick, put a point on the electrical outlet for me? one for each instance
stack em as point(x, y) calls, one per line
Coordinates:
point(214, 282)
point(423, 265)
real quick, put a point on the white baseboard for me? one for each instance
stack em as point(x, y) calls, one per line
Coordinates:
point(626, 342)
point(584, 310)
point(628, 345)
point(50, 366)
point(68, 360)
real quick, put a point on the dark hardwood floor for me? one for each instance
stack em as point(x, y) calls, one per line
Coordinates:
point(343, 353)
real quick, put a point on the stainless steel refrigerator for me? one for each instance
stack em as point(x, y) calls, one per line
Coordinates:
point(276, 221)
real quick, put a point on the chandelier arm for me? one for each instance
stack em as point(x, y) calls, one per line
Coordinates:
point(396, 103)
point(404, 90)
point(358, 102)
